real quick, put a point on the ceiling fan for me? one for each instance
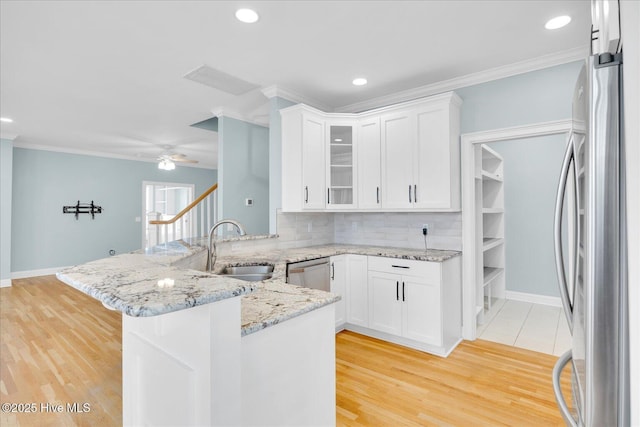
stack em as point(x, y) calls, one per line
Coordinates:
point(167, 161)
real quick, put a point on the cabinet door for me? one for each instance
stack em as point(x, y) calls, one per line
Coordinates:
point(432, 158)
point(398, 138)
point(338, 276)
point(313, 163)
point(421, 314)
point(341, 158)
point(357, 301)
point(385, 306)
point(369, 194)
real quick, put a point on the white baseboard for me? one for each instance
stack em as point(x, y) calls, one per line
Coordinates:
point(35, 273)
point(533, 298)
point(5, 283)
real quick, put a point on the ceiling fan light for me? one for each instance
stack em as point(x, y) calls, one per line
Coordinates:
point(166, 165)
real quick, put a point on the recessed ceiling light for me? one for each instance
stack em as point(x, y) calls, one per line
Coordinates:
point(6, 120)
point(360, 81)
point(557, 22)
point(247, 16)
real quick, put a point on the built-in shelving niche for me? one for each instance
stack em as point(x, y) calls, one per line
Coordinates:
point(490, 241)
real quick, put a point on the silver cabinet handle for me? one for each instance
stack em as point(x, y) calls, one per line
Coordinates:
point(557, 390)
point(409, 193)
point(415, 193)
point(557, 234)
point(378, 195)
point(400, 266)
point(306, 194)
point(397, 290)
point(402, 291)
point(328, 196)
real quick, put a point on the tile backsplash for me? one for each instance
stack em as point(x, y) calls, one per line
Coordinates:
point(391, 229)
point(395, 229)
point(399, 229)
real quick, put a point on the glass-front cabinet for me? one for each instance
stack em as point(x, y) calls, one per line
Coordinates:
point(340, 183)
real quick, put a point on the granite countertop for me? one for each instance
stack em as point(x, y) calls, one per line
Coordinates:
point(134, 283)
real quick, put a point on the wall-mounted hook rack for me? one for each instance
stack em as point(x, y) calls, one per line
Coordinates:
point(82, 208)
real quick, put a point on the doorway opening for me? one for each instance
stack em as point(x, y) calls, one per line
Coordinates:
point(162, 201)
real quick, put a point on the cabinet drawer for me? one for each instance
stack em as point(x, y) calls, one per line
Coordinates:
point(425, 269)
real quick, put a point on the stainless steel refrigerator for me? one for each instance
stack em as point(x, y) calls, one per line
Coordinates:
point(592, 259)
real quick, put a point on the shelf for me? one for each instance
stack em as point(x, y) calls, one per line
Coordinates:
point(491, 242)
point(488, 153)
point(341, 144)
point(491, 176)
point(490, 273)
point(341, 166)
point(492, 210)
point(341, 187)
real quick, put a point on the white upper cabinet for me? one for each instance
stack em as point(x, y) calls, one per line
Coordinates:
point(398, 141)
point(401, 157)
point(421, 155)
point(303, 159)
point(437, 156)
point(368, 166)
point(313, 169)
point(341, 191)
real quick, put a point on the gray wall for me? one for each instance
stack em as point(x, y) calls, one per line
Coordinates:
point(243, 159)
point(6, 161)
point(275, 158)
point(531, 171)
point(44, 181)
point(532, 166)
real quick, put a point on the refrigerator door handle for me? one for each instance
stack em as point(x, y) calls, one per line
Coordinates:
point(557, 233)
point(557, 390)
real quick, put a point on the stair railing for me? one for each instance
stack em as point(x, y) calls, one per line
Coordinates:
point(195, 220)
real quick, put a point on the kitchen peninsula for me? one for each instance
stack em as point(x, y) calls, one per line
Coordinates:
point(204, 349)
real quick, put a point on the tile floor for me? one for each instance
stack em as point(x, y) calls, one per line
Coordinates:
point(534, 327)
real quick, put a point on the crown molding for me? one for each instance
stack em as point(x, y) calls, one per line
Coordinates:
point(280, 92)
point(68, 150)
point(8, 136)
point(496, 73)
point(225, 112)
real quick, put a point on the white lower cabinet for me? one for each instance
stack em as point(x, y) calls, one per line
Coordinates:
point(349, 280)
point(421, 311)
point(385, 308)
point(412, 303)
point(405, 306)
point(338, 274)
point(357, 296)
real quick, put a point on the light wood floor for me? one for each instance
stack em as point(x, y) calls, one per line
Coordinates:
point(61, 346)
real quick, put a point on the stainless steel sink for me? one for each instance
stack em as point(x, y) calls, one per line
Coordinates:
point(251, 273)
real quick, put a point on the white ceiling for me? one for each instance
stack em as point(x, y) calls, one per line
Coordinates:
point(107, 76)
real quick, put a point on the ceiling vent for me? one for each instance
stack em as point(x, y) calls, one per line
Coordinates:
point(219, 80)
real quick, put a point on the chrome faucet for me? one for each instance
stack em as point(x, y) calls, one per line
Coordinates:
point(212, 243)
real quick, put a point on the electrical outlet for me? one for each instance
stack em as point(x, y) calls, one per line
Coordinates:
point(425, 229)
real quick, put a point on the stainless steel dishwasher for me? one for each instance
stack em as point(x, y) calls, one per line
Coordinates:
point(310, 274)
